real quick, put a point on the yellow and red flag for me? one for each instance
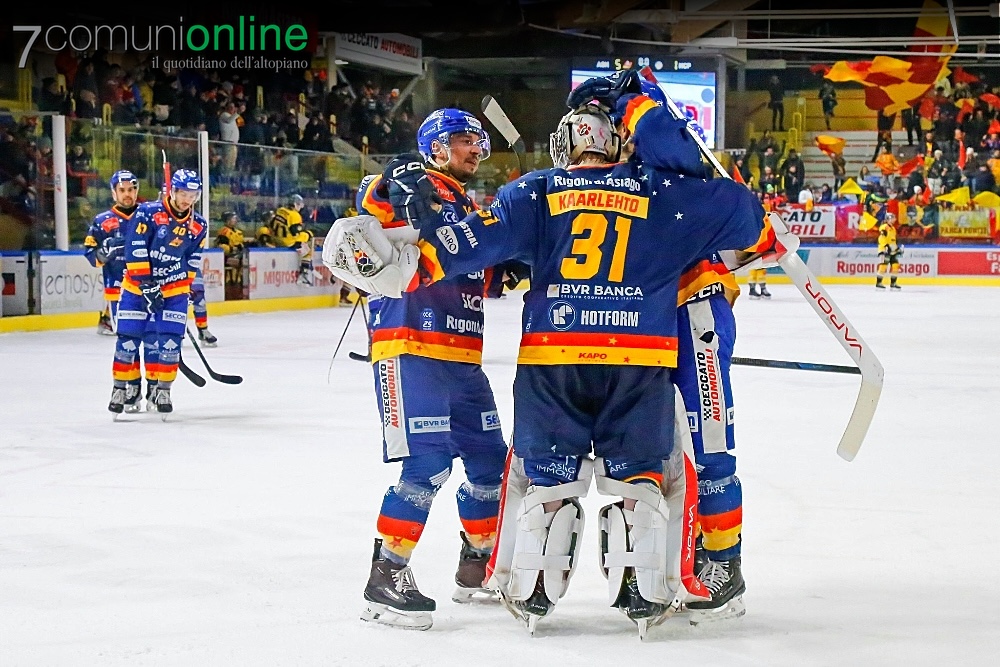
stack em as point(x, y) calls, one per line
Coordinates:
point(830, 145)
point(894, 84)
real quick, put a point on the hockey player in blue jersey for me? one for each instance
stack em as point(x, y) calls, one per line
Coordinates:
point(435, 400)
point(199, 306)
point(707, 336)
point(105, 247)
point(607, 243)
point(163, 247)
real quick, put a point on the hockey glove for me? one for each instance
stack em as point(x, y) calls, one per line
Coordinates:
point(605, 90)
point(110, 249)
point(410, 191)
point(514, 272)
point(153, 295)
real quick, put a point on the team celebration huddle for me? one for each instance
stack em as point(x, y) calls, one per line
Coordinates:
point(608, 391)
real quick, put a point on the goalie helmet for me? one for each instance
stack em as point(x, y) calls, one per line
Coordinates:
point(441, 124)
point(587, 129)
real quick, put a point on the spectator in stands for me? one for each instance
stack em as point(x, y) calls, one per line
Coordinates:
point(792, 183)
point(740, 165)
point(929, 144)
point(884, 123)
point(888, 165)
point(793, 159)
point(910, 117)
point(338, 103)
point(825, 194)
point(975, 127)
point(316, 135)
point(78, 171)
point(229, 134)
point(86, 82)
point(934, 170)
point(828, 96)
point(776, 102)
point(839, 165)
point(769, 182)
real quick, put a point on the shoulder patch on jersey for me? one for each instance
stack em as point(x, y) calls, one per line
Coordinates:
point(110, 225)
point(195, 227)
point(161, 218)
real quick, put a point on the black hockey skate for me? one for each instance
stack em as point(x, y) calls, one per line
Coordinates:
point(754, 294)
point(117, 402)
point(133, 395)
point(150, 388)
point(206, 338)
point(392, 597)
point(471, 574)
point(724, 580)
point(764, 293)
point(160, 399)
point(641, 611)
point(533, 609)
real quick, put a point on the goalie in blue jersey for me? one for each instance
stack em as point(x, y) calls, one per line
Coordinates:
point(607, 243)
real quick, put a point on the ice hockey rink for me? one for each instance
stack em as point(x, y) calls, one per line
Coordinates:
point(240, 531)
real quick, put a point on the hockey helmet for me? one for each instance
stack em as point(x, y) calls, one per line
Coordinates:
point(441, 124)
point(185, 179)
point(123, 176)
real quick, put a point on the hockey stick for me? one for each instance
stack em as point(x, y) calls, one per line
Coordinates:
point(795, 365)
point(870, 367)
point(186, 371)
point(218, 377)
point(339, 342)
point(495, 114)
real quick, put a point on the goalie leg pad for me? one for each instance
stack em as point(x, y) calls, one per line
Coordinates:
point(546, 542)
point(645, 543)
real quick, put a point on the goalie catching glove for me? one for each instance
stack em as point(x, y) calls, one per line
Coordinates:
point(358, 251)
point(409, 190)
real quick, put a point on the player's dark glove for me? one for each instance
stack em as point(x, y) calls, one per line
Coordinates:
point(605, 90)
point(110, 249)
point(153, 295)
point(899, 251)
point(514, 272)
point(410, 191)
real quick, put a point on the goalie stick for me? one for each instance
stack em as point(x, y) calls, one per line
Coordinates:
point(822, 303)
point(495, 114)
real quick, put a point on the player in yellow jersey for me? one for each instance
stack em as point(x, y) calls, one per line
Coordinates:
point(288, 231)
point(758, 279)
point(889, 252)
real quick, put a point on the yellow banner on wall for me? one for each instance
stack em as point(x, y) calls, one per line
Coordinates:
point(966, 224)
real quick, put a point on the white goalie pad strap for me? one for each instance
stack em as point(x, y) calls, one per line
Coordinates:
point(614, 548)
point(630, 559)
point(546, 543)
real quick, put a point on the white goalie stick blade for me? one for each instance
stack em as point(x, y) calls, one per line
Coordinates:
point(496, 115)
point(871, 368)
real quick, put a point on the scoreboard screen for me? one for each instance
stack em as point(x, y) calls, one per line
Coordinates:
point(689, 82)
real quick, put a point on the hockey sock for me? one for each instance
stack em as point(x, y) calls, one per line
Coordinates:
point(478, 508)
point(720, 506)
point(401, 521)
point(151, 357)
point(126, 365)
point(170, 357)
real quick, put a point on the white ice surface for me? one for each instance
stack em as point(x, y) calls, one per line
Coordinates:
point(240, 532)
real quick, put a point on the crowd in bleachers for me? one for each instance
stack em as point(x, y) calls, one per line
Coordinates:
point(953, 142)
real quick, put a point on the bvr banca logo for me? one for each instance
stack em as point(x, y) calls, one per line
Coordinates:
point(562, 315)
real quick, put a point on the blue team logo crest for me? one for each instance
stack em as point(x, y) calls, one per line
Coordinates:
point(427, 319)
point(562, 315)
